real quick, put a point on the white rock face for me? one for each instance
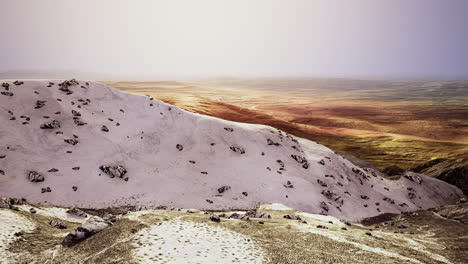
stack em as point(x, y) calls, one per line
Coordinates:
point(175, 158)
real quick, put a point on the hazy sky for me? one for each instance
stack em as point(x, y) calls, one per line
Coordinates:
point(243, 38)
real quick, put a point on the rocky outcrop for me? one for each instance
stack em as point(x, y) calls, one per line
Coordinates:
point(453, 171)
point(9, 203)
point(87, 229)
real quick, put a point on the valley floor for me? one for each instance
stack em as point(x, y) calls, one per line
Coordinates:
point(189, 236)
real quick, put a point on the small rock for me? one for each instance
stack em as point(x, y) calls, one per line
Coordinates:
point(58, 224)
point(34, 176)
point(47, 189)
point(113, 171)
point(71, 141)
point(76, 212)
point(224, 189)
point(51, 125)
point(215, 218)
point(292, 217)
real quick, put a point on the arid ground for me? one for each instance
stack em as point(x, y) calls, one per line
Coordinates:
point(402, 123)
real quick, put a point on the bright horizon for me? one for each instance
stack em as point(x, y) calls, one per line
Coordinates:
point(248, 39)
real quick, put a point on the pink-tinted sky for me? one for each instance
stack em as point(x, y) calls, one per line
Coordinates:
point(246, 38)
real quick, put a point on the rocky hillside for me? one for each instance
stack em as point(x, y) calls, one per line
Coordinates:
point(453, 171)
point(70, 143)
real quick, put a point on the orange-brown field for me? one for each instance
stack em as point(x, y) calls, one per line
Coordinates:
point(385, 122)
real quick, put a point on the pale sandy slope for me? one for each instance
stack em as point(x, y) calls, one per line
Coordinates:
point(160, 174)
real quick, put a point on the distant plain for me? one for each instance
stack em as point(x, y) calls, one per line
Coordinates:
point(402, 123)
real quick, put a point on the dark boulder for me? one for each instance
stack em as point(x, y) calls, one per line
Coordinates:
point(224, 189)
point(215, 218)
point(255, 214)
point(76, 213)
point(51, 125)
point(292, 217)
point(47, 189)
point(58, 224)
point(71, 141)
point(34, 176)
point(114, 170)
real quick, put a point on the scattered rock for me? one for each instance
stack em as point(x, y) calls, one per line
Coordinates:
point(114, 171)
point(34, 176)
point(288, 185)
point(53, 170)
point(322, 227)
point(414, 178)
point(39, 104)
point(76, 213)
point(47, 189)
point(74, 188)
point(104, 128)
point(179, 147)
point(215, 218)
point(237, 149)
point(32, 210)
point(9, 203)
point(78, 122)
point(18, 234)
point(271, 143)
point(224, 189)
point(75, 113)
point(239, 217)
point(322, 183)
point(324, 206)
point(51, 125)
point(292, 217)
point(58, 224)
point(71, 141)
point(255, 214)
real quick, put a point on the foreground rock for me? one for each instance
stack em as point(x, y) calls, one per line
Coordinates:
point(92, 226)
